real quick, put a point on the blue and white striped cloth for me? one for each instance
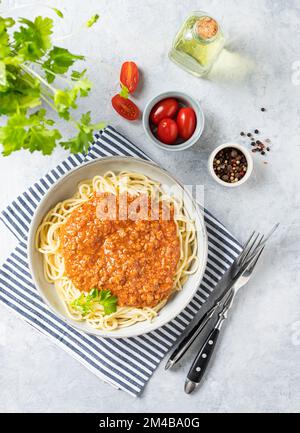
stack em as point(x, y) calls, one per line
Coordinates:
point(127, 363)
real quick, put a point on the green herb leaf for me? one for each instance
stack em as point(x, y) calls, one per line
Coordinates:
point(82, 304)
point(34, 38)
point(86, 304)
point(80, 143)
point(86, 118)
point(3, 80)
point(13, 134)
point(12, 101)
point(58, 12)
point(58, 62)
point(9, 22)
point(64, 100)
point(94, 293)
point(30, 133)
point(84, 138)
point(75, 75)
point(83, 86)
point(92, 20)
point(108, 302)
point(43, 139)
point(5, 23)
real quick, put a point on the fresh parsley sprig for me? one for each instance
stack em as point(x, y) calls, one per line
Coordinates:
point(30, 66)
point(86, 304)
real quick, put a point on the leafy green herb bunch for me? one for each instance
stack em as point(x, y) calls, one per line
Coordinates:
point(29, 65)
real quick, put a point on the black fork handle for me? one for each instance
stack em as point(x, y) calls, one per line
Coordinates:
point(191, 336)
point(201, 362)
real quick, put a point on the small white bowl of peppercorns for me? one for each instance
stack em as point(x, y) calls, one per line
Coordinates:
point(230, 164)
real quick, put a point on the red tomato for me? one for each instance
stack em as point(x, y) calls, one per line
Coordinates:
point(167, 131)
point(164, 109)
point(186, 122)
point(129, 76)
point(125, 107)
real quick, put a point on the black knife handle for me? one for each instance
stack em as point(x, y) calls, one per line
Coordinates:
point(201, 362)
point(190, 337)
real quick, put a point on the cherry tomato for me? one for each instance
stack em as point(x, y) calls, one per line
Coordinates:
point(167, 131)
point(129, 76)
point(125, 107)
point(164, 109)
point(186, 122)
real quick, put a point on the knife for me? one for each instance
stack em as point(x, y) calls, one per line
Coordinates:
point(201, 361)
point(199, 326)
point(196, 330)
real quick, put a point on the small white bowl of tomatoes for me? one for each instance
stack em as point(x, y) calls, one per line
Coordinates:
point(173, 121)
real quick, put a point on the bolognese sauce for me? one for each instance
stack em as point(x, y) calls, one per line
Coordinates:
point(135, 258)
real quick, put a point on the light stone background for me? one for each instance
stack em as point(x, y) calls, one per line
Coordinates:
point(257, 367)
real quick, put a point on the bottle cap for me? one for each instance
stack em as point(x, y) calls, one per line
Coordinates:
point(206, 28)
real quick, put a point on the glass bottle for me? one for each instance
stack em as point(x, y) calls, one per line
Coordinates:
point(198, 44)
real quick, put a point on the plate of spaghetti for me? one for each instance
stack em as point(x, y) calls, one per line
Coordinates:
point(117, 247)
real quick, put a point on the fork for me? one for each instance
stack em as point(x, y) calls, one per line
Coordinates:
point(202, 360)
point(251, 248)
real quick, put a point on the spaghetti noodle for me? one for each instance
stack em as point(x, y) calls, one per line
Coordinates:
point(142, 259)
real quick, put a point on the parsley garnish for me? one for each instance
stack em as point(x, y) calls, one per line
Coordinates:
point(86, 304)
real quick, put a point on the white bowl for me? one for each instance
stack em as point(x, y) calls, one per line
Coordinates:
point(186, 100)
point(248, 157)
point(65, 188)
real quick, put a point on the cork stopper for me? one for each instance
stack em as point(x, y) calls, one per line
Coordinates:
point(206, 28)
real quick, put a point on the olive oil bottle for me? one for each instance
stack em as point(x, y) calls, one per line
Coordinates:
point(198, 44)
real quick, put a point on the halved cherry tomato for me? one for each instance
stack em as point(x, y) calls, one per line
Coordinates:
point(129, 76)
point(167, 131)
point(125, 107)
point(164, 109)
point(186, 122)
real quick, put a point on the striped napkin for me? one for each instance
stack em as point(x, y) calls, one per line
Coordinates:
point(126, 363)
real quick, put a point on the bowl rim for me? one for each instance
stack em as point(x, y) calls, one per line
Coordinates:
point(100, 333)
point(180, 95)
point(248, 157)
